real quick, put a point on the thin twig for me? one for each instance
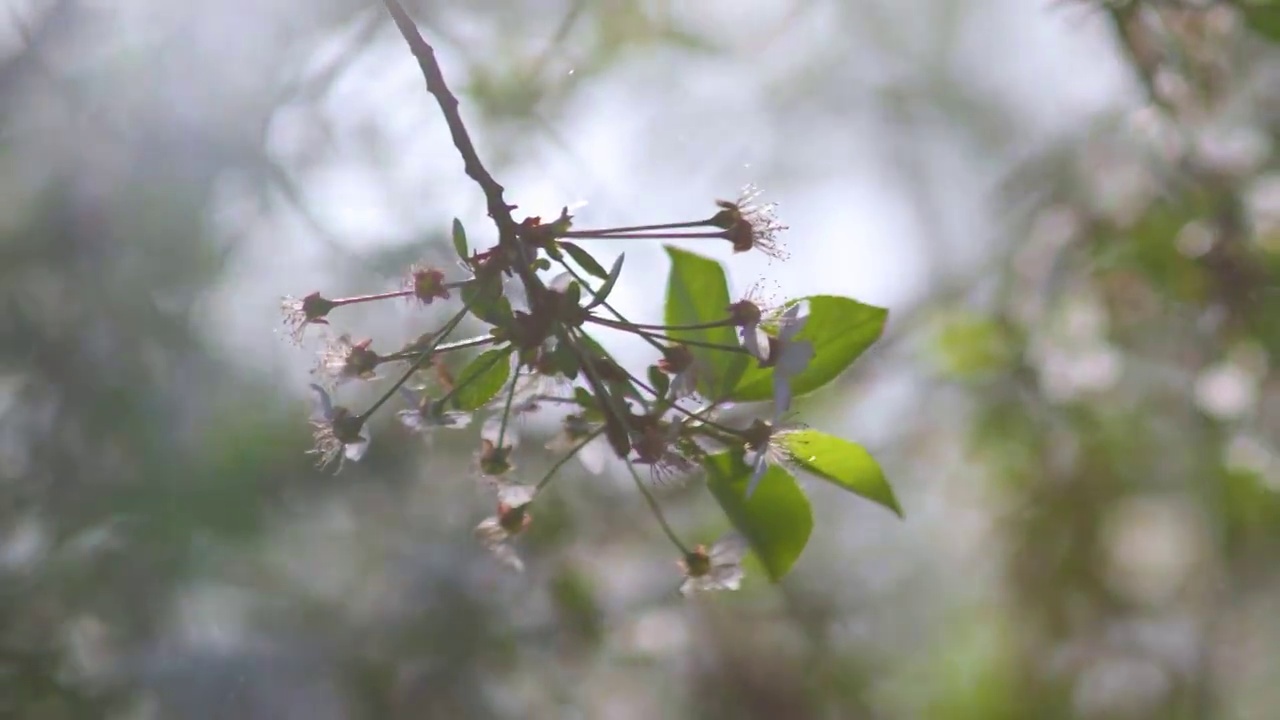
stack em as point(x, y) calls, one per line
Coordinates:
point(436, 85)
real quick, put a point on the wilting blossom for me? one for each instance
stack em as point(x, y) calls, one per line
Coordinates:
point(574, 430)
point(748, 314)
point(678, 361)
point(427, 284)
point(496, 532)
point(766, 446)
point(493, 462)
point(299, 313)
point(338, 433)
point(658, 445)
point(343, 360)
point(750, 225)
point(428, 414)
point(719, 568)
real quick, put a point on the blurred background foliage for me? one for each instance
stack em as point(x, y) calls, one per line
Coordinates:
point(1072, 210)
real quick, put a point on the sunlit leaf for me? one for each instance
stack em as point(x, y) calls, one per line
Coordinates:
point(603, 293)
point(842, 463)
point(698, 293)
point(460, 240)
point(840, 329)
point(776, 521)
point(482, 378)
point(486, 301)
point(584, 260)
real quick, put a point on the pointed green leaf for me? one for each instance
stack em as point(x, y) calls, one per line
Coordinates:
point(776, 521)
point(460, 240)
point(482, 378)
point(486, 301)
point(840, 330)
point(603, 293)
point(844, 464)
point(584, 260)
point(698, 293)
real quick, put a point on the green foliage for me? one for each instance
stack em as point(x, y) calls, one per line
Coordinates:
point(1263, 17)
point(697, 293)
point(584, 260)
point(969, 345)
point(610, 280)
point(460, 240)
point(846, 465)
point(482, 378)
point(776, 520)
point(840, 330)
point(487, 302)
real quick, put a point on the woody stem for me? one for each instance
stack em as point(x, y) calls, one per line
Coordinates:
point(638, 228)
point(594, 235)
point(370, 298)
point(727, 322)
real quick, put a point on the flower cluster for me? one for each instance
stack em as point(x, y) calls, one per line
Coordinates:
point(538, 356)
point(540, 295)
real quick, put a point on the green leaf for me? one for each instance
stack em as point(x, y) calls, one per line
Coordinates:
point(776, 521)
point(846, 465)
point(840, 330)
point(698, 293)
point(603, 293)
point(659, 381)
point(584, 260)
point(482, 378)
point(1263, 17)
point(486, 301)
point(460, 240)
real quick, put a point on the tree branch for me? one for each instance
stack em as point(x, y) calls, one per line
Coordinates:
point(499, 210)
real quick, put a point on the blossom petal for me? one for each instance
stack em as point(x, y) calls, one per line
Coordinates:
point(727, 577)
point(514, 495)
point(760, 466)
point(793, 357)
point(750, 335)
point(781, 395)
point(728, 550)
point(593, 455)
point(356, 450)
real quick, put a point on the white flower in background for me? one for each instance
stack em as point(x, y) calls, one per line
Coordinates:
point(719, 568)
point(1226, 391)
point(497, 532)
point(1229, 389)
